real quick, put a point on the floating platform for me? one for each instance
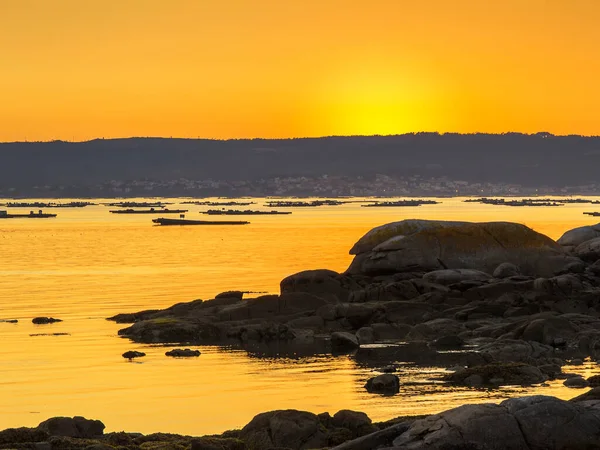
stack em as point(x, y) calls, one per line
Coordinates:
point(149, 211)
point(400, 203)
point(166, 221)
point(237, 212)
point(31, 215)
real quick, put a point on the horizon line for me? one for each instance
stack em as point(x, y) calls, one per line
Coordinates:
point(199, 138)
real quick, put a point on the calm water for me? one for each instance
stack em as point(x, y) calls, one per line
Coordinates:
point(87, 264)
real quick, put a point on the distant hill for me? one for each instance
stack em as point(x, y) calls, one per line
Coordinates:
point(530, 160)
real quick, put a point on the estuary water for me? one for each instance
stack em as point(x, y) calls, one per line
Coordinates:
point(87, 264)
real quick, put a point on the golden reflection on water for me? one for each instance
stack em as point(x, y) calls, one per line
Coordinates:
point(87, 264)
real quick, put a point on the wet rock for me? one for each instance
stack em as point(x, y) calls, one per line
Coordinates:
point(497, 374)
point(576, 382)
point(594, 381)
point(448, 342)
point(183, 353)
point(576, 362)
point(357, 422)
point(549, 331)
point(170, 330)
point(591, 395)
point(386, 383)
point(131, 354)
point(344, 341)
point(526, 423)
point(506, 270)
point(365, 335)
point(44, 320)
point(75, 427)
point(510, 350)
point(550, 370)
point(285, 429)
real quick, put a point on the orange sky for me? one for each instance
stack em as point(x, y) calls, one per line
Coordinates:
point(79, 69)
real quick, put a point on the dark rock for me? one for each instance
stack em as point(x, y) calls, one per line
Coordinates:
point(323, 283)
point(238, 295)
point(526, 423)
point(383, 384)
point(285, 428)
point(594, 381)
point(343, 341)
point(576, 382)
point(76, 427)
point(131, 354)
point(357, 422)
point(548, 330)
point(497, 374)
point(447, 277)
point(550, 370)
point(448, 342)
point(510, 350)
point(217, 443)
point(9, 321)
point(576, 362)
point(578, 236)
point(22, 435)
point(170, 330)
point(365, 335)
point(428, 245)
point(45, 320)
point(183, 353)
point(506, 270)
point(591, 395)
point(386, 331)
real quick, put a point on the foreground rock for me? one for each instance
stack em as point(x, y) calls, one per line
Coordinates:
point(527, 423)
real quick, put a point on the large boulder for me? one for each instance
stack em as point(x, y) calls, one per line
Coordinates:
point(579, 235)
point(422, 245)
point(323, 283)
point(537, 422)
point(386, 383)
point(76, 427)
point(588, 250)
point(285, 429)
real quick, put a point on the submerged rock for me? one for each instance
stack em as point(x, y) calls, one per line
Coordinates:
point(183, 353)
point(386, 383)
point(131, 354)
point(44, 320)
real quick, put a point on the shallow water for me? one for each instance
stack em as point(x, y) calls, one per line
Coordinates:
point(87, 264)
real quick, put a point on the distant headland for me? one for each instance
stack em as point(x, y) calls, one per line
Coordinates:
point(416, 164)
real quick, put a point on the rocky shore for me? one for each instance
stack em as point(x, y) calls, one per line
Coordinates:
point(497, 304)
point(499, 292)
point(537, 422)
